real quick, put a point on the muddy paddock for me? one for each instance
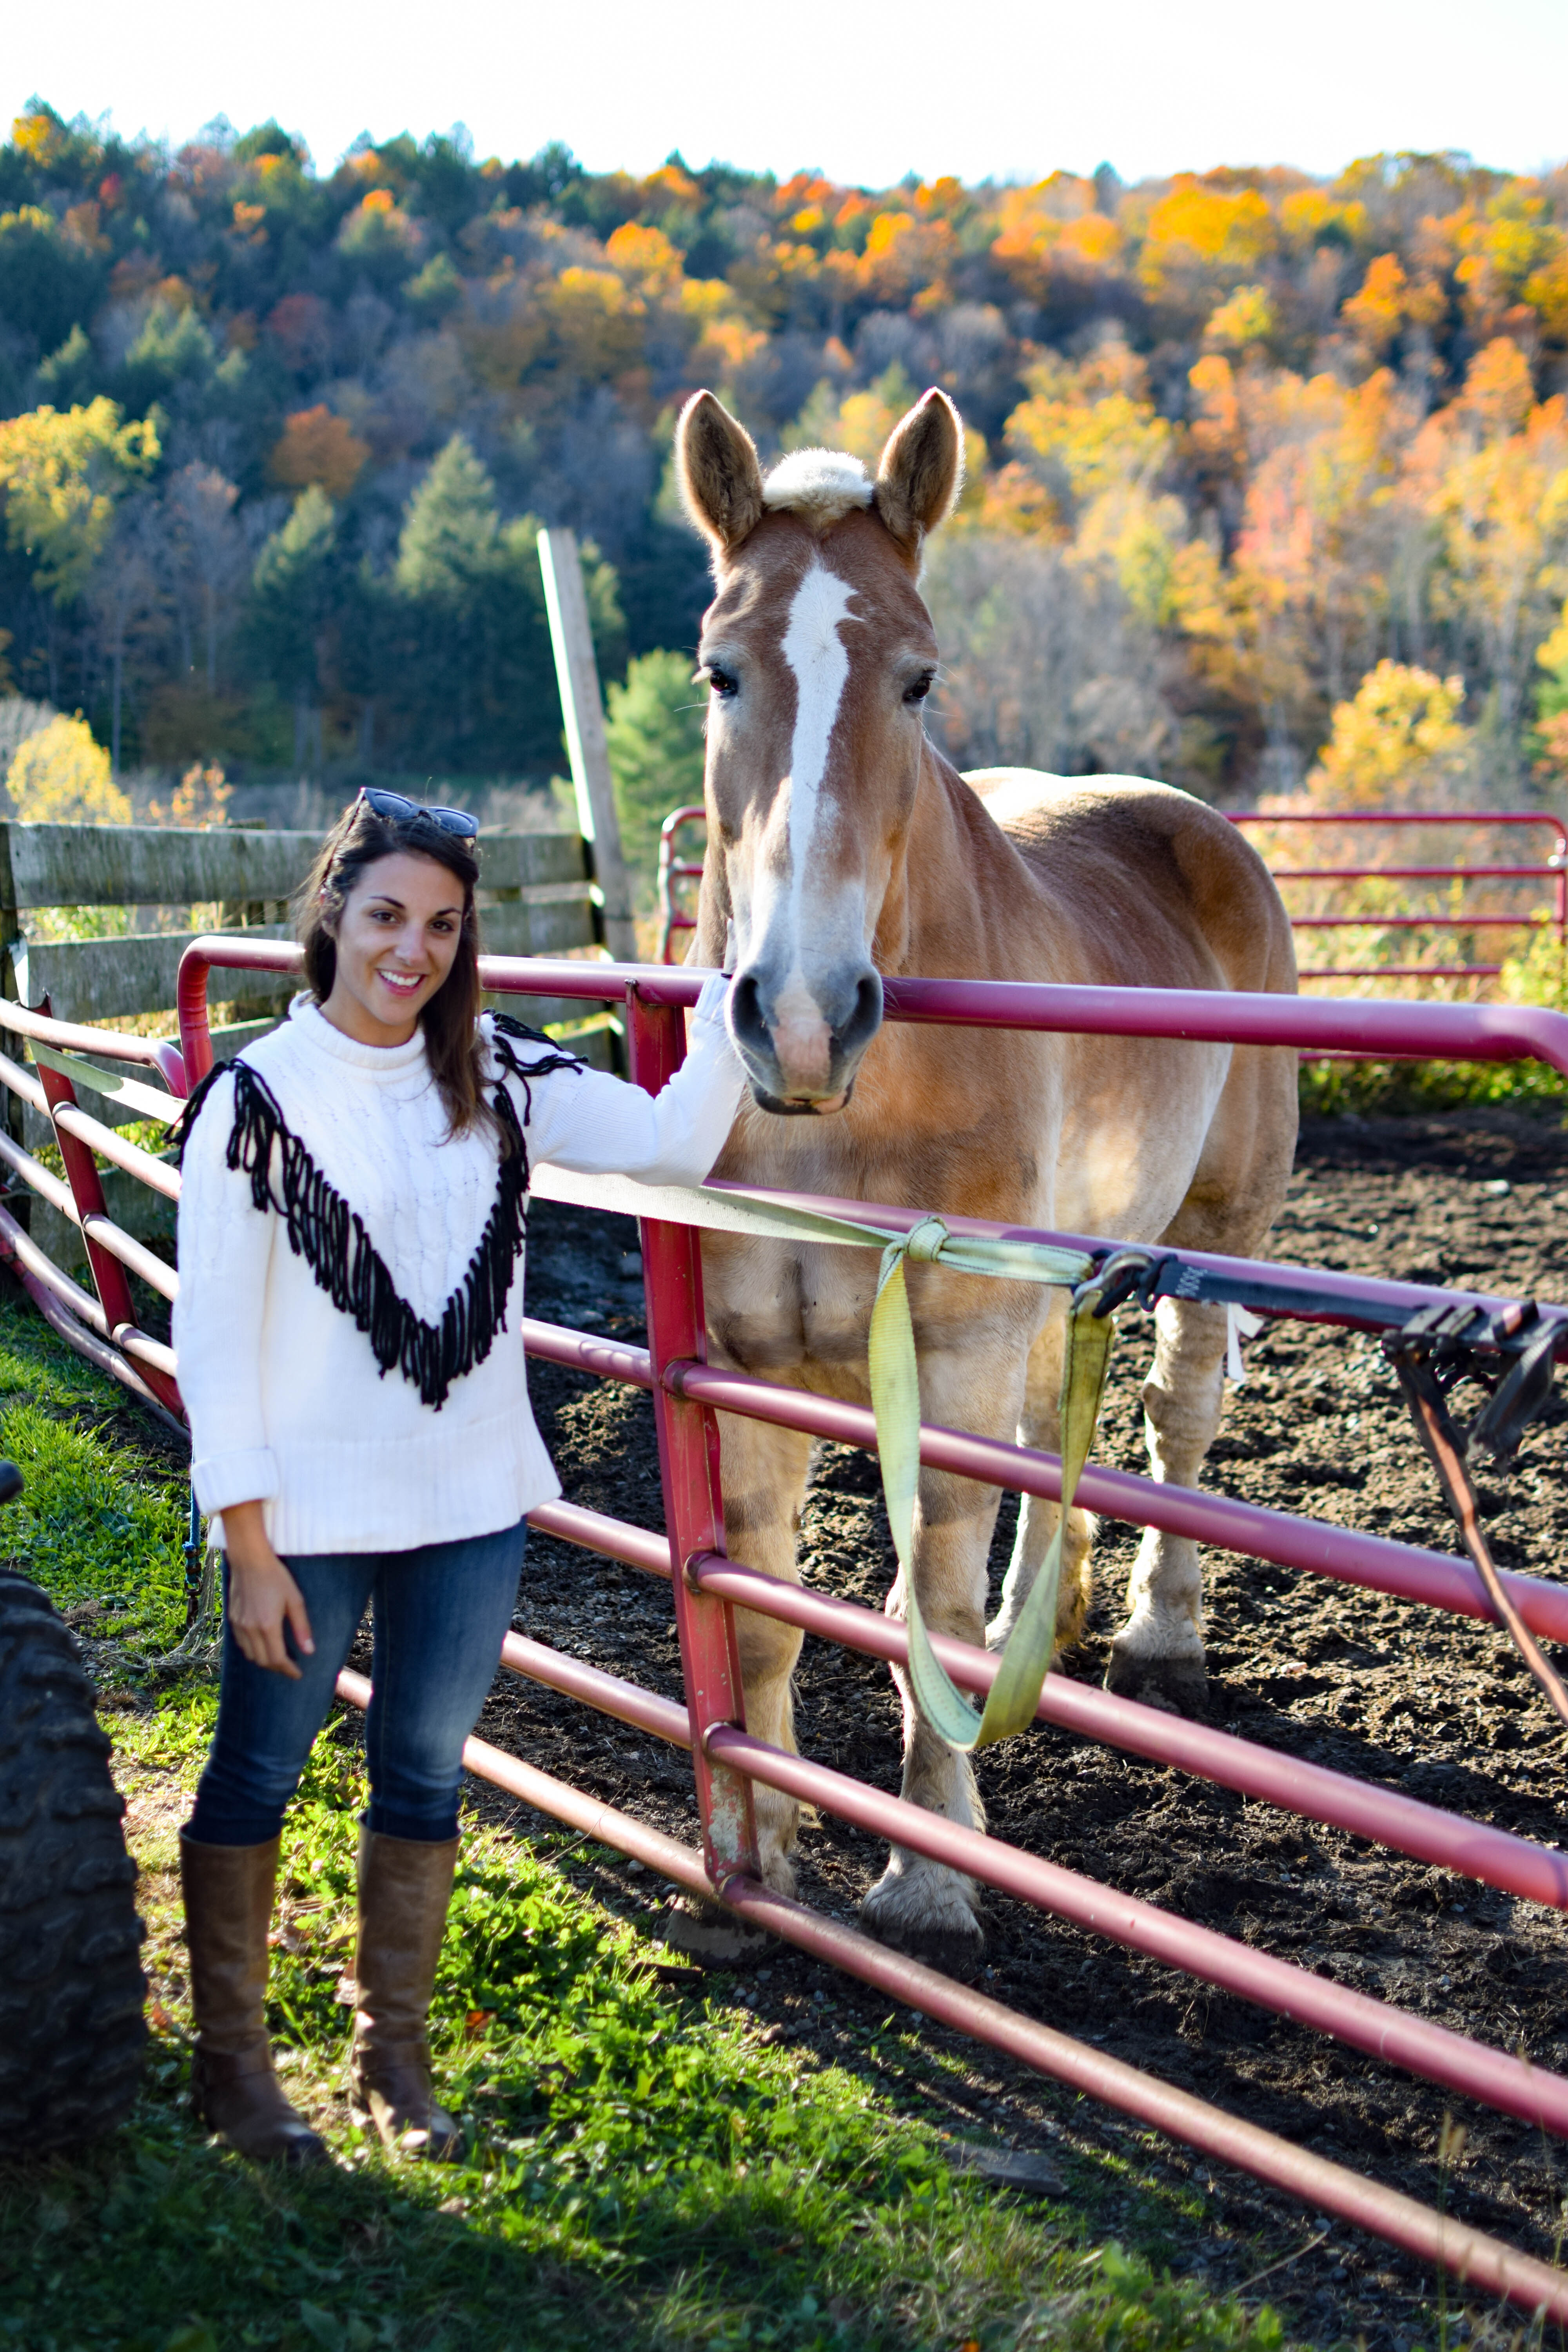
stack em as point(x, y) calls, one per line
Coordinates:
point(1438, 1707)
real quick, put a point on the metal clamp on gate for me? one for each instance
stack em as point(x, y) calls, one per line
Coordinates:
point(1127, 1274)
point(1453, 1343)
point(1432, 1354)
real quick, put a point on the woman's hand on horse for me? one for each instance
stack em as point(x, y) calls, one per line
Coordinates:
point(263, 1598)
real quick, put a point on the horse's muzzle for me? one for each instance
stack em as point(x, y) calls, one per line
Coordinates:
point(799, 1055)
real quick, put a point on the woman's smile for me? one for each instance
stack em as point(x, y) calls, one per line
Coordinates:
point(405, 904)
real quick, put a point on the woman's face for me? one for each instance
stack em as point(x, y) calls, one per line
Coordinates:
point(396, 940)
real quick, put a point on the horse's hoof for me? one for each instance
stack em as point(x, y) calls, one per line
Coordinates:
point(715, 1939)
point(1176, 1686)
point(955, 1943)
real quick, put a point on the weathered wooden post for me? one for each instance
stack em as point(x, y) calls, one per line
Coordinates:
point(582, 710)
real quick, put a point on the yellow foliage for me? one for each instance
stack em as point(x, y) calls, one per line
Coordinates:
point(319, 448)
point(907, 260)
point(201, 799)
point(1053, 232)
point(1546, 291)
point(62, 474)
point(1397, 744)
point(1306, 213)
point(1500, 391)
point(1092, 422)
point(36, 134)
point(646, 257)
point(1553, 652)
point(598, 321)
point(63, 776)
point(1388, 302)
point(1201, 229)
point(1245, 319)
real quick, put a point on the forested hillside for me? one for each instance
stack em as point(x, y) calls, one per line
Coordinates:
point(280, 441)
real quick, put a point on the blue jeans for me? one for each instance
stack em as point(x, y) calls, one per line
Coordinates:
point(441, 1613)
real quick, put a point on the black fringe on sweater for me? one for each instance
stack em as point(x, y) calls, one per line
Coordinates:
point(328, 1235)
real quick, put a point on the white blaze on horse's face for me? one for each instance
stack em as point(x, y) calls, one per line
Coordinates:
point(818, 652)
point(818, 655)
point(780, 929)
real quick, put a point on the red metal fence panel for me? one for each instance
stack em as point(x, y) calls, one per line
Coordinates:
point(1550, 906)
point(706, 1588)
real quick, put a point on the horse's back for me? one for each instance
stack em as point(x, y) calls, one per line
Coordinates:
point(1112, 849)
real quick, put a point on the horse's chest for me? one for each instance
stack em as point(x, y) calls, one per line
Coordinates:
point(778, 1310)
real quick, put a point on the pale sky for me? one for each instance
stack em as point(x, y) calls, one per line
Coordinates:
point(1004, 89)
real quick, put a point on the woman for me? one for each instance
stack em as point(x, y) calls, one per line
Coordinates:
point(351, 1243)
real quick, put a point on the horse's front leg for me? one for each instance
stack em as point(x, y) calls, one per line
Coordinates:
point(1159, 1654)
point(919, 1905)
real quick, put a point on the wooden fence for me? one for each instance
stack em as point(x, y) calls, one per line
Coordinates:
point(546, 893)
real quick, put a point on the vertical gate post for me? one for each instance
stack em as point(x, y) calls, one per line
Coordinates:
point(689, 1469)
point(109, 1277)
point(582, 712)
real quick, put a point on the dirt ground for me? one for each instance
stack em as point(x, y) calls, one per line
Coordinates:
point(1390, 1692)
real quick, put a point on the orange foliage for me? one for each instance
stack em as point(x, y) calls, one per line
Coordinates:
point(319, 448)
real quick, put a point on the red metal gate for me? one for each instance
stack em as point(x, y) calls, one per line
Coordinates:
point(707, 1587)
point(1549, 905)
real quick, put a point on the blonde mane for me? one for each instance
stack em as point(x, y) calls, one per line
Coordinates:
point(821, 486)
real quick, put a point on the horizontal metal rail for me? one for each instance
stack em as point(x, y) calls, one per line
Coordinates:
point(1481, 2261)
point(1478, 819)
point(108, 1044)
point(1462, 873)
point(1412, 923)
point(1493, 1857)
point(1439, 1580)
point(1376, 2026)
point(1373, 1028)
point(158, 1175)
point(1413, 874)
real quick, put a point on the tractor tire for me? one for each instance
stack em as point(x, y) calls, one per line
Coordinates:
point(72, 2030)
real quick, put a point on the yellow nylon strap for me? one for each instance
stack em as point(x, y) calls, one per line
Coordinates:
point(896, 1401)
point(128, 1090)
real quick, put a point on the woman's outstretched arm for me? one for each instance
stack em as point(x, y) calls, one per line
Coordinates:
point(600, 1125)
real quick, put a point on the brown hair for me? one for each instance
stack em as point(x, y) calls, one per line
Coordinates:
point(358, 841)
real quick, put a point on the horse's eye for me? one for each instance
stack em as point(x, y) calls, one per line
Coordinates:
point(921, 686)
point(723, 682)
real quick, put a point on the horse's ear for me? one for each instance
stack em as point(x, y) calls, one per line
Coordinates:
point(720, 480)
point(921, 471)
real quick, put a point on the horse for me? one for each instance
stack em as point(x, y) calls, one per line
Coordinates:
point(843, 846)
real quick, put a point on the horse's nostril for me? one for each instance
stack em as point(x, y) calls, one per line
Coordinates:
point(746, 1013)
point(865, 1018)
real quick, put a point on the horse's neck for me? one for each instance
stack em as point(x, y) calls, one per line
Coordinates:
point(941, 910)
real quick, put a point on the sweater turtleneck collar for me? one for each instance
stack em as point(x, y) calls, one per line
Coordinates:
point(310, 1026)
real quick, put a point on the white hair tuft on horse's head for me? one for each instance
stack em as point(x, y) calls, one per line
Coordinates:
point(821, 486)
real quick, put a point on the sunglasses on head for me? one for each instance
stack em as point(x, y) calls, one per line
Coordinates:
point(401, 810)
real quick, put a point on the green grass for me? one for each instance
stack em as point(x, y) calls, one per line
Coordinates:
point(1413, 1090)
point(642, 2169)
point(96, 1520)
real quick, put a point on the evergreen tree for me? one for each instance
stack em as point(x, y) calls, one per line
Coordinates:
point(655, 732)
point(291, 596)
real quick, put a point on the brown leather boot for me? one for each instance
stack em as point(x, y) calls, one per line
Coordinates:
point(405, 1887)
point(228, 1906)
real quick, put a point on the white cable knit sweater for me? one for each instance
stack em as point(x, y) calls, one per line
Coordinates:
point(287, 1404)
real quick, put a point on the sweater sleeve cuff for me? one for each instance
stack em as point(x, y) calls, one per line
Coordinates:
point(224, 1479)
